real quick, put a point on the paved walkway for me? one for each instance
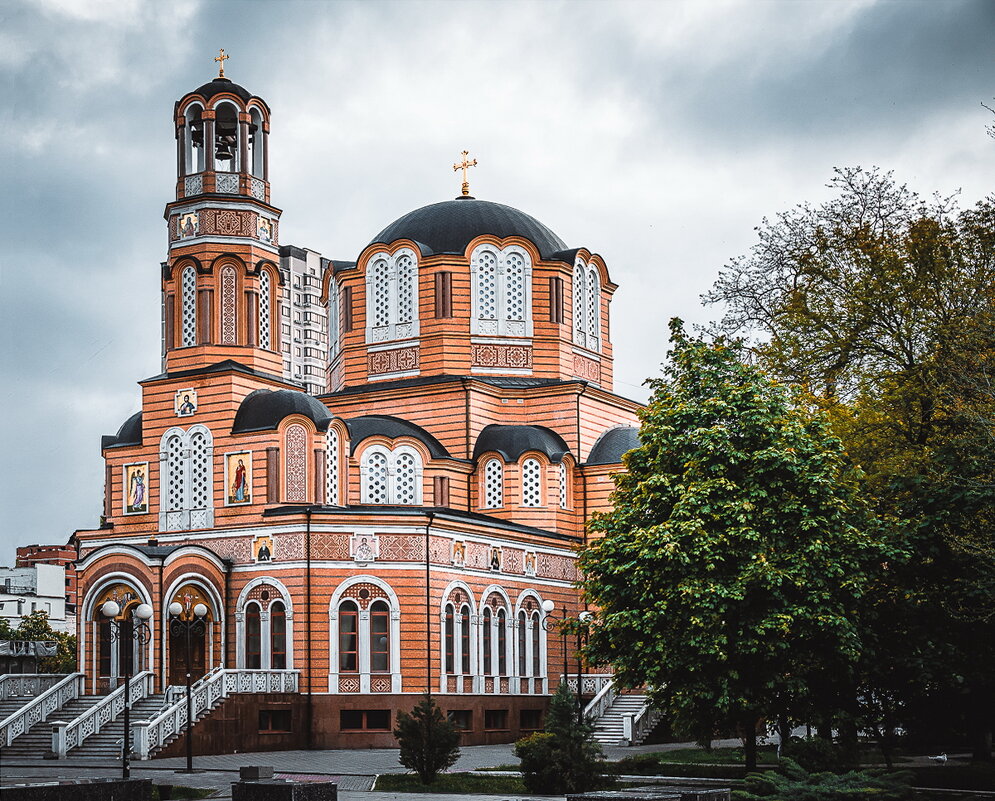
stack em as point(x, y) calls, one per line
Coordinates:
point(353, 770)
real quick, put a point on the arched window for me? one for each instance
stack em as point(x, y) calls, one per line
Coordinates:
point(253, 637)
point(487, 624)
point(536, 647)
point(174, 483)
point(564, 488)
point(593, 309)
point(189, 306)
point(494, 484)
point(531, 483)
point(501, 291)
point(264, 310)
point(365, 629)
point(465, 639)
point(348, 637)
point(523, 644)
point(587, 306)
point(185, 468)
point(502, 642)
point(295, 459)
point(332, 466)
point(375, 474)
point(391, 476)
point(278, 636)
point(256, 147)
point(229, 293)
point(379, 637)
point(392, 296)
point(194, 144)
point(450, 634)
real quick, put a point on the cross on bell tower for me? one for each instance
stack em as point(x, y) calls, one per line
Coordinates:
point(221, 58)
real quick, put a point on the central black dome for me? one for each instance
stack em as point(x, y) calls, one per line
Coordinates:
point(448, 227)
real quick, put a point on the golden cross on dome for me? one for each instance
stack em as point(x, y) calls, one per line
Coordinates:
point(221, 58)
point(465, 165)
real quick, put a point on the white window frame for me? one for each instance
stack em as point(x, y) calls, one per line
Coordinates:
point(392, 455)
point(586, 290)
point(501, 325)
point(540, 479)
point(485, 490)
point(186, 517)
point(266, 642)
point(342, 594)
point(393, 329)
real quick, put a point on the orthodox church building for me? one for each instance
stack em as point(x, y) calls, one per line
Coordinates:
point(386, 514)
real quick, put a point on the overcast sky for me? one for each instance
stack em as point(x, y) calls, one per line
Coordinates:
point(657, 134)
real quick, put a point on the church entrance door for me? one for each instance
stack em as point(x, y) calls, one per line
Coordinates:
point(178, 657)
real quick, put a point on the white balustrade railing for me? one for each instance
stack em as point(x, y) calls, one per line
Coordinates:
point(67, 735)
point(205, 695)
point(55, 697)
point(601, 702)
point(15, 685)
point(590, 683)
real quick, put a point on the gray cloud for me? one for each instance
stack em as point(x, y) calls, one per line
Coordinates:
point(657, 134)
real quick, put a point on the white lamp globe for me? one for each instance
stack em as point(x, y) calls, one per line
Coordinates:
point(548, 606)
point(143, 612)
point(200, 610)
point(586, 617)
point(110, 609)
point(175, 608)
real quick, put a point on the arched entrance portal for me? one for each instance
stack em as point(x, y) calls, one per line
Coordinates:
point(116, 656)
point(188, 596)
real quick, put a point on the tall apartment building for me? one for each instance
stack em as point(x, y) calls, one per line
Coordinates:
point(303, 318)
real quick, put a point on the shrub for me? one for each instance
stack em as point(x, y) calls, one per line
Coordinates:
point(565, 758)
point(818, 754)
point(429, 743)
point(792, 783)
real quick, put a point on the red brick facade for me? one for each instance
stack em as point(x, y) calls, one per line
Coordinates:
point(357, 538)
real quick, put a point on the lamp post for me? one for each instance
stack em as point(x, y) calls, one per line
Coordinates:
point(139, 634)
point(187, 628)
point(584, 618)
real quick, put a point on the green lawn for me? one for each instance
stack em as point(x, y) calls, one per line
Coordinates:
point(179, 791)
point(450, 783)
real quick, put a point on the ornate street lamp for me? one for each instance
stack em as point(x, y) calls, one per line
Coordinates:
point(140, 633)
point(562, 623)
point(188, 628)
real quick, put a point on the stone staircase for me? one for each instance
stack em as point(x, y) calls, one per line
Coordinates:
point(106, 744)
point(609, 728)
point(36, 742)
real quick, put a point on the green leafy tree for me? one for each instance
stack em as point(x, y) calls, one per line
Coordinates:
point(883, 306)
point(729, 571)
point(565, 758)
point(36, 627)
point(429, 743)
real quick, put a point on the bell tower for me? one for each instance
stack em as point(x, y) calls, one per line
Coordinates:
point(221, 283)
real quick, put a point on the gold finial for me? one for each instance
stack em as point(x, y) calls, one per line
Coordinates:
point(464, 165)
point(221, 58)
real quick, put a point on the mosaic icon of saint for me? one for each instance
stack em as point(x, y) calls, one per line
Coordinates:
point(187, 407)
point(364, 553)
point(238, 487)
point(136, 492)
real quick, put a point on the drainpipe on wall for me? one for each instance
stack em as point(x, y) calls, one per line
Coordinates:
point(428, 608)
point(309, 733)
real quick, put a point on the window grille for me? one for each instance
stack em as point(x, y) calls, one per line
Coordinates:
point(531, 483)
point(494, 484)
point(189, 282)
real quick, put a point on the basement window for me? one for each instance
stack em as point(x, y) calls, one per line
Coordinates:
point(364, 719)
point(272, 721)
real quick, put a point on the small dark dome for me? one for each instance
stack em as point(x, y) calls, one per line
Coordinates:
point(220, 86)
point(383, 425)
point(613, 443)
point(264, 410)
point(130, 433)
point(512, 441)
point(448, 227)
